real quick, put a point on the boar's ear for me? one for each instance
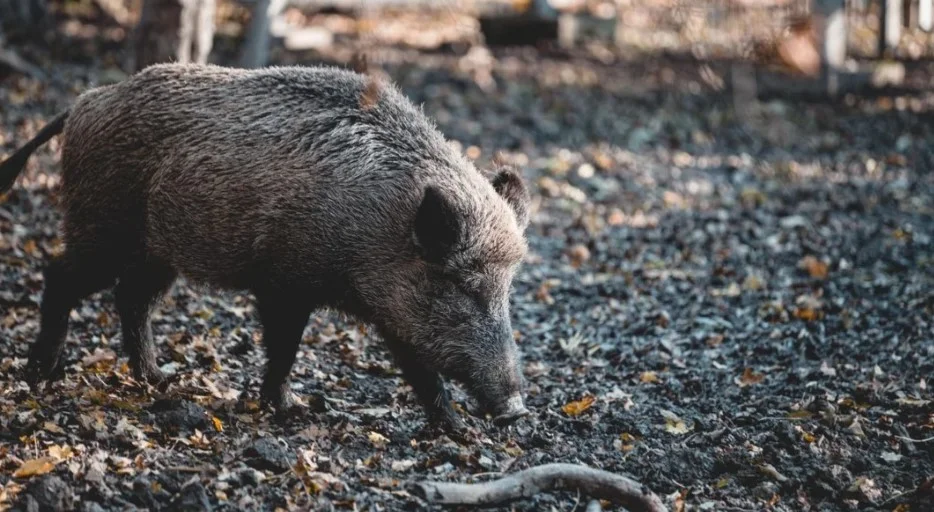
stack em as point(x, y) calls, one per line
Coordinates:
point(509, 185)
point(437, 226)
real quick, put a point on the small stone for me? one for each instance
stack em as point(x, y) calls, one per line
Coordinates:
point(50, 493)
point(192, 497)
point(176, 415)
point(267, 454)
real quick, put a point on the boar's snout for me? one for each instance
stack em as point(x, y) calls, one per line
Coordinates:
point(497, 381)
point(510, 411)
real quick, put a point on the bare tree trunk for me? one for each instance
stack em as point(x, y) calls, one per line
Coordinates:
point(22, 16)
point(255, 53)
point(173, 30)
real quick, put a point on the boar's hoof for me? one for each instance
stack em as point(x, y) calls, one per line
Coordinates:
point(38, 372)
point(283, 404)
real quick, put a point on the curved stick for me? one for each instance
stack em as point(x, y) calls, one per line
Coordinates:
point(595, 483)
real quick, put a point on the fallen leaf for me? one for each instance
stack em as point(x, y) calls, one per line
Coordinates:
point(753, 282)
point(807, 314)
point(61, 453)
point(218, 425)
point(749, 378)
point(52, 427)
point(35, 467)
point(814, 267)
point(648, 377)
point(674, 424)
point(377, 439)
point(578, 254)
point(577, 407)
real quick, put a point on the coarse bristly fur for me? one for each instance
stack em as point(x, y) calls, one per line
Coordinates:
point(282, 182)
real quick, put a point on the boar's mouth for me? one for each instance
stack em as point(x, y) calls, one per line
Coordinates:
point(510, 411)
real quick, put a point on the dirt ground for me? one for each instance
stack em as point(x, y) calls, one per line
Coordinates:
point(730, 302)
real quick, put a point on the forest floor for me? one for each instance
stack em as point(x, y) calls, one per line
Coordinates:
point(730, 302)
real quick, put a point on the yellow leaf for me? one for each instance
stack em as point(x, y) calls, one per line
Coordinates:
point(377, 439)
point(674, 424)
point(35, 467)
point(723, 482)
point(808, 437)
point(577, 407)
point(218, 425)
point(61, 452)
point(648, 377)
point(749, 378)
point(901, 234)
point(52, 427)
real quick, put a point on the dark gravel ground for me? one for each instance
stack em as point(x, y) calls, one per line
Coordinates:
point(745, 291)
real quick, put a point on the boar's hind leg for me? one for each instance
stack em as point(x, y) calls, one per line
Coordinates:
point(283, 322)
point(69, 278)
point(138, 291)
point(428, 387)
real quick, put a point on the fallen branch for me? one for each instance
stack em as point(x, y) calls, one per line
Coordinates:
point(595, 483)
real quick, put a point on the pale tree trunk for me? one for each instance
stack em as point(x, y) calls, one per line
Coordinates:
point(173, 31)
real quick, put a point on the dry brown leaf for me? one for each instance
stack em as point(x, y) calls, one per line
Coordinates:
point(807, 314)
point(31, 248)
point(578, 254)
point(35, 467)
point(749, 378)
point(814, 267)
point(577, 407)
point(679, 501)
point(715, 340)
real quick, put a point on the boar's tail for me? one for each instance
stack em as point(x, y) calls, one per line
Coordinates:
point(11, 167)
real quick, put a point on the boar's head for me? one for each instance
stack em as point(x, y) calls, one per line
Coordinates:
point(450, 299)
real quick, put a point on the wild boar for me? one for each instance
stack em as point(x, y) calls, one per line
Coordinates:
point(309, 187)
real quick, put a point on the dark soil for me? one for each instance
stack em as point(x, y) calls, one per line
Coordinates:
point(746, 291)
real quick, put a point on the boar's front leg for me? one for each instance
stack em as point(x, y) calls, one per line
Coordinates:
point(138, 291)
point(428, 387)
point(283, 321)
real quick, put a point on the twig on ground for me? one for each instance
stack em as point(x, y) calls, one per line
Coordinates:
point(916, 441)
point(595, 483)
